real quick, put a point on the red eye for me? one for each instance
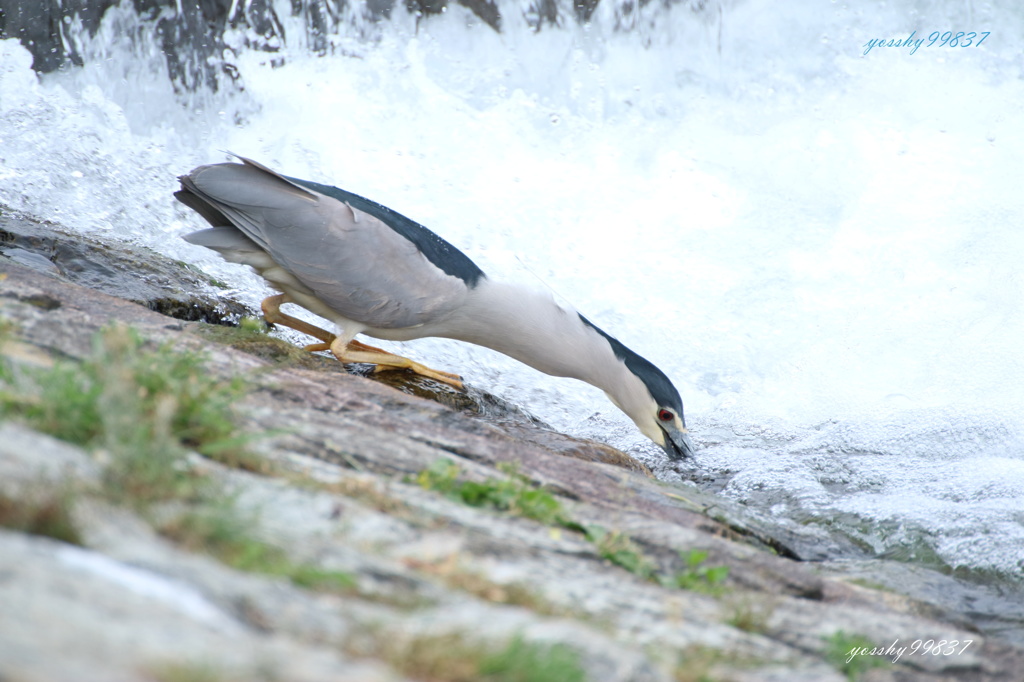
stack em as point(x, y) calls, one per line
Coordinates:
point(665, 415)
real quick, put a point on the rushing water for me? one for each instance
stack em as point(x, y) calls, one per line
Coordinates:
point(822, 247)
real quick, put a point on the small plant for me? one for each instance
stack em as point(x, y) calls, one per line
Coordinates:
point(695, 664)
point(454, 657)
point(513, 494)
point(523, 661)
point(163, 384)
point(253, 325)
point(217, 528)
point(40, 509)
point(620, 550)
point(751, 614)
point(250, 336)
point(141, 410)
point(697, 576)
point(844, 651)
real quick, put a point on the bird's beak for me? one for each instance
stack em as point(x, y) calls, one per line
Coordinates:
point(677, 444)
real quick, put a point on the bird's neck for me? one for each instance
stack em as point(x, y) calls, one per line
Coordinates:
point(531, 327)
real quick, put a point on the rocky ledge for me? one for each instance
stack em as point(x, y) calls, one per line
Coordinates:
point(336, 527)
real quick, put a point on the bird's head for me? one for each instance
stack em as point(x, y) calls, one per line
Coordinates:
point(648, 397)
point(660, 419)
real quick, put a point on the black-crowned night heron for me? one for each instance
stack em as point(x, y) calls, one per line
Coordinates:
point(373, 271)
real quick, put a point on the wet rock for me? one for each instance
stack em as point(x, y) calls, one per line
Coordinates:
point(191, 33)
point(487, 11)
point(136, 275)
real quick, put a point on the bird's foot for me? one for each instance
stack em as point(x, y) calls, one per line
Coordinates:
point(437, 375)
point(355, 352)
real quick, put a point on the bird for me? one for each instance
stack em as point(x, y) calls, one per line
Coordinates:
point(372, 271)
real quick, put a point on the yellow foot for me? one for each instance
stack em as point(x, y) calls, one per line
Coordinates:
point(354, 351)
point(358, 352)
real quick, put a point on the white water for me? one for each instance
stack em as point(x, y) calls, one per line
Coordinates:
point(821, 248)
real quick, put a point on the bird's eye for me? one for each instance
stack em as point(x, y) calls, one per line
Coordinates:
point(665, 415)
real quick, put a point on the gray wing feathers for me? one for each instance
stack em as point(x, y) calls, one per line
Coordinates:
point(233, 245)
point(221, 239)
point(354, 263)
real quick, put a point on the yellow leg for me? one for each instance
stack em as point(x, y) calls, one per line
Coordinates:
point(314, 347)
point(272, 313)
point(354, 351)
point(358, 352)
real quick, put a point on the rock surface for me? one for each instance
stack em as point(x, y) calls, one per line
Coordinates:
point(130, 603)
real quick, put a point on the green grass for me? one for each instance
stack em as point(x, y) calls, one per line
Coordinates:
point(251, 336)
point(160, 393)
point(844, 651)
point(455, 657)
point(619, 549)
point(140, 410)
point(523, 661)
point(697, 576)
point(218, 528)
point(514, 493)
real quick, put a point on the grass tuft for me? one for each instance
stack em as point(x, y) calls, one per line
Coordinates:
point(697, 576)
point(619, 549)
point(513, 494)
point(220, 530)
point(454, 657)
point(140, 410)
point(751, 613)
point(250, 336)
point(523, 661)
point(41, 509)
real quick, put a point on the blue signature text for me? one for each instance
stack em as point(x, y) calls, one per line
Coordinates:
point(947, 39)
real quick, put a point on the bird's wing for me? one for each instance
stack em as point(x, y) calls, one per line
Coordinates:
point(352, 261)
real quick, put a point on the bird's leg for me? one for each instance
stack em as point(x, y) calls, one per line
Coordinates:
point(354, 351)
point(359, 345)
point(272, 313)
